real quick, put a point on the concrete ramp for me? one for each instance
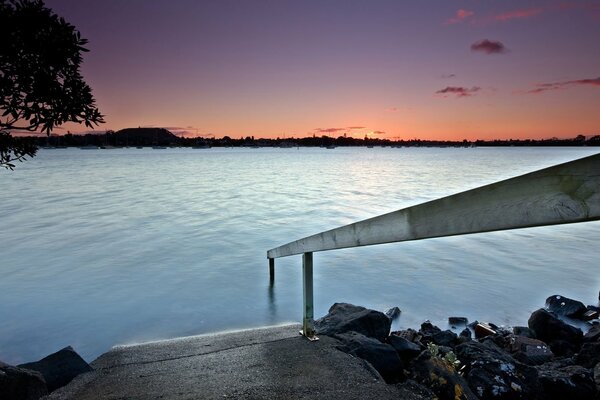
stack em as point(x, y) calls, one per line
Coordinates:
point(266, 363)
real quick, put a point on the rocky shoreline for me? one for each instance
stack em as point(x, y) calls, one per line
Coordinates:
point(550, 358)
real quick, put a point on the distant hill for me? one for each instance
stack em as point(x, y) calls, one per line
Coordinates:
point(144, 136)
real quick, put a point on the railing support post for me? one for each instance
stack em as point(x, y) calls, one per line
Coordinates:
point(271, 270)
point(308, 329)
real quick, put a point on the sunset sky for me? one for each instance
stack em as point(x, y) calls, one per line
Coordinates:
point(442, 69)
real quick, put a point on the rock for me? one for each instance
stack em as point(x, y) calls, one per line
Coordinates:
point(530, 351)
point(59, 368)
point(383, 357)
point(589, 355)
point(493, 374)
point(572, 382)
point(465, 333)
point(21, 384)
point(414, 387)
point(406, 349)
point(456, 321)
point(565, 306)
point(445, 338)
point(563, 338)
point(428, 329)
point(440, 376)
point(591, 313)
point(392, 313)
point(593, 334)
point(524, 331)
point(597, 377)
point(343, 317)
point(482, 330)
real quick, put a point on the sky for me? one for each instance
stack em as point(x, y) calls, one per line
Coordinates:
point(432, 70)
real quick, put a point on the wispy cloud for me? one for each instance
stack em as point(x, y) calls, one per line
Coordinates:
point(545, 87)
point(458, 91)
point(517, 14)
point(378, 132)
point(356, 127)
point(329, 130)
point(461, 15)
point(448, 76)
point(489, 47)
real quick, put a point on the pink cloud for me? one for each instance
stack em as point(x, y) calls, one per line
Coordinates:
point(518, 14)
point(459, 91)
point(460, 16)
point(545, 87)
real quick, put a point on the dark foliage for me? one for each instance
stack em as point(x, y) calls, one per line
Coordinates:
point(41, 86)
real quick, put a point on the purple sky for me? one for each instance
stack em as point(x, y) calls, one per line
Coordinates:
point(432, 70)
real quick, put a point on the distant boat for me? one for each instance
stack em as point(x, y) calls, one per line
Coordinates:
point(89, 147)
point(331, 146)
point(370, 146)
point(202, 146)
point(139, 147)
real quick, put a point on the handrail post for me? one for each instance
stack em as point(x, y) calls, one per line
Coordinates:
point(308, 328)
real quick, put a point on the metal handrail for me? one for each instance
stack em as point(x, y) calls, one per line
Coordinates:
point(561, 194)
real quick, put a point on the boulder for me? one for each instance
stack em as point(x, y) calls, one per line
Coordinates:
point(465, 335)
point(428, 329)
point(343, 317)
point(482, 330)
point(571, 382)
point(457, 321)
point(415, 388)
point(593, 334)
point(530, 351)
point(21, 384)
point(493, 374)
point(381, 356)
point(406, 349)
point(596, 372)
point(565, 307)
point(563, 338)
point(445, 338)
point(524, 331)
point(589, 355)
point(441, 377)
point(393, 313)
point(59, 368)
point(592, 312)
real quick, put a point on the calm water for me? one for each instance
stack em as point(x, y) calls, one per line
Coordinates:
point(117, 246)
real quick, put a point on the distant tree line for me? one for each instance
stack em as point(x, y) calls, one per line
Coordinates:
point(132, 137)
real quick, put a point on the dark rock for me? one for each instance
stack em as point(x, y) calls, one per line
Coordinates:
point(596, 372)
point(428, 329)
point(454, 321)
point(21, 384)
point(591, 313)
point(482, 330)
point(524, 331)
point(530, 351)
point(445, 338)
point(406, 349)
point(565, 306)
point(589, 355)
point(59, 368)
point(381, 356)
point(465, 335)
point(414, 387)
point(593, 334)
point(563, 338)
point(572, 382)
point(393, 313)
point(441, 377)
point(493, 374)
point(343, 317)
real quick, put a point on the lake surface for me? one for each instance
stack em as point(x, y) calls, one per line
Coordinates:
point(107, 247)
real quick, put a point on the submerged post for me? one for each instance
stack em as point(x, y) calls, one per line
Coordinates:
point(308, 329)
point(271, 270)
